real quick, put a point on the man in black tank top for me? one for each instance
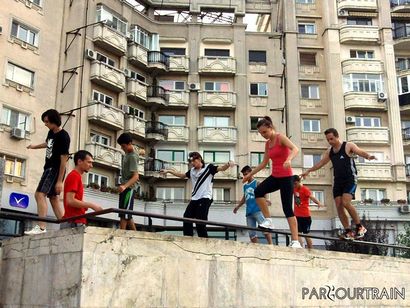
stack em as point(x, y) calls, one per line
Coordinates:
point(345, 179)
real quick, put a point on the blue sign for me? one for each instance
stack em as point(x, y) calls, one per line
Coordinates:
point(19, 200)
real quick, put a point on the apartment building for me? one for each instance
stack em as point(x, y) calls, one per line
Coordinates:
point(182, 76)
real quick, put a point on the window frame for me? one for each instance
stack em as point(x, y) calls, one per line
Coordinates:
point(214, 153)
point(213, 53)
point(215, 120)
point(216, 85)
point(310, 91)
point(259, 90)
point(306, 26)
point(6, 119)
point(118, 23)
point(31, 86)
point(99, 181)
point(257, 53)
point(107, 60)
point(226, 192)
point(358, 82)
point(14, 160)
point(315, 194)
point(102, 98)
point(174, 117)
point(174, 152)
point(307, 54)
point(97, 137)
point(28, 29)
point(133, 111)
point(366, 193)
point(174, 84)
point(375, 121)
point(357, 53)
point(310, 121)
point(313, 160)
point(172, 192)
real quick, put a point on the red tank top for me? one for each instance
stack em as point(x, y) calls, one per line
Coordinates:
point(279, 154)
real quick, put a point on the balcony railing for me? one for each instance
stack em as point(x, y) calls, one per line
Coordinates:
point(137, 90)
point(374, 171)
point(158, 59)
point(358, 34)
point(107, 76)
point(368, 135)
point(363, 100)
point(217, 99)
point(181, 167)
point(394, 3)
point(135, 126)
point(217, 65)
point(104, 155)
point(158, 95)
point(138, 55)
point(402, 31)
point(179, 64)
point(156, 130)
point(227, 135)
point(350, 66)
point(404, 100)
point(178, 133)
point(178, 99)
point(106, 115)
point(152, 167)
point(368, 5)
point(228, 174)
point(109, 39)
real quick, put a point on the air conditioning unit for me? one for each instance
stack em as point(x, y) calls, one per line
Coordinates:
point(17, 133)
point(194, 86)
point(405, 208)
point(343, 13)
point(127, 72)
point(381, 96)
point(125, 108)
point(350, 119)
point(90, 54)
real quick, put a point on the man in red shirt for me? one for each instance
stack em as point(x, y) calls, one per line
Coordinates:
point(302, 195)
point(74, 191)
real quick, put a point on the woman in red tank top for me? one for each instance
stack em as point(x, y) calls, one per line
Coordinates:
point(280, 151)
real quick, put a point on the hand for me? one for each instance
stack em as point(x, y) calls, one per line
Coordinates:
point(372, 157)
point(163, 171)
point(246, 178)
point(30, 146)
point(268, 202)
point(59, 187)
point(304, 174)
point(319, 205)
point(235, 210)
point(287, 164)
point(121, 188)
point(96, 207)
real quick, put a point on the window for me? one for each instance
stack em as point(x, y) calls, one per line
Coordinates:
point(217, 86)
point(13, 166)
point(375, 194)
point(359, 21)
point(400, 29)
point(38, 2)
point(136, 112)
point(102, 98)
point(170, 193)
point(137, 76)
point(305, 1)
point(258, 89)
point(172, 85)
point(310, 159)
point(368, 122)
point(403, 84)
point(210, 121)
point(307, 58)
point(306, 28)
point(256, 158)
point(220, 157)
point(221, 194)
point(105, 59)
point(309, 91)
point(257, 56)
point(20, 75)
point(99, 179)
point(115, 22)
point(171, 155)
point(141, 37)
point(172, 119)
point(254, 122)
point(100, 139)
point(362, 54)
point(402, 64)
point(24, 33)
point(173, 51)
point(319, 195)
point(311, 125)
point(216, 52)
point(14, 118)
point(379, 158)
point(363, 82)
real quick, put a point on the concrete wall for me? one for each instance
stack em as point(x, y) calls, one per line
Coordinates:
point(96, 267)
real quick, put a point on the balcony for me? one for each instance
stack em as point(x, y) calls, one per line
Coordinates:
point(258, 101)
point(374, 172)
point(218, 135)
point(106, 115)
point(158, 61)
point(228, 174)
point(157, 95)
point(368, 135)
point(138, 55)
point(217, 65)
point(152, 167)
point(257, 68)
point(305, 8)
point(156, 131)
point(181, 167)
point(400, 6)
point(404, 102)
point(357, 5)
point(135, 126)
point(405, 132)
point(178, 99)
point(137, 90)
point(351, 66)
point(178, 134)
point(313, 139)
point(401, 36)
point(264, 173)
point(109, 39)
point(363, 101)
point(216, 99)
point(104, 155)
point(309, 71)
point(179, 64)
point(255, 136)
point(351, 34)
point(321, 176)
point(107, 76)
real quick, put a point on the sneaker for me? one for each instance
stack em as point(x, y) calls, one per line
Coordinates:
point(295, 244)
point(267, 224)
point(347, 235)
point(360, 232)
point(35, 230)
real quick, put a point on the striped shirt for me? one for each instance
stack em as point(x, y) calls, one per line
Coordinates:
point(202, 181)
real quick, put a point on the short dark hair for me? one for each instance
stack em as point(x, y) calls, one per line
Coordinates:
point(195, 155)
point(81, 154)
point(124, 138)
point(265, 121)
point(246, 168)
point(332, 131)
point(296, 178)
point(53, 116)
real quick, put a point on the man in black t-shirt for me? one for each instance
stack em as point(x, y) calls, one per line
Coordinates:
point(57, 144)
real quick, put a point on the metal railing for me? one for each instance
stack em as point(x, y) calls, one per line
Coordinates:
point(158, 57)
point(154, 127)
point(394, 3)
point(157, 91)
point(402, 30)
point(226, 226)
point(405, 132)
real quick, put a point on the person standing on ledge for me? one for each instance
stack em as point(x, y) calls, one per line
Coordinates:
point(345, 180)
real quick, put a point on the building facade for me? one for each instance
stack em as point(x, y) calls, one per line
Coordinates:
point(182, 77)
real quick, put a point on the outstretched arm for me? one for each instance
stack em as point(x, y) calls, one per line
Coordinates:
point(325, 159)
point(353, 148)
point(173, 172)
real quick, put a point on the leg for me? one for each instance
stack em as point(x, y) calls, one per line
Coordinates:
point(347, 204)
point(286, 196)
point(41, 207)
point(309, 242)
point(258, 216)
point(270, 184)
point(341, 212)
point(123, 224)
point(202, 214)
point(55, 203)
point(252, 223)
point(131, 224)
point(189, 213)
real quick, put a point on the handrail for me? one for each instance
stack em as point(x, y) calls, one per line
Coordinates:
point(13, 215)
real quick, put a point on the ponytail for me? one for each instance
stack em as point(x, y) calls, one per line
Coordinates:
point(265, 121)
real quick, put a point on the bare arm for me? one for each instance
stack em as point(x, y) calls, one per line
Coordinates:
point(242, 202)
point(353, 148)
point(61, 172)
point(325, 159)
point(225, 166)
point(37, 146)
point(315, 200)
point(135, 177)
point(261, 166)
point(73, 202)
point(173, 172)
point(293, 148)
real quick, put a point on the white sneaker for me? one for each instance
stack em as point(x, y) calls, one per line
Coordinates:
point(35, 230)
point(295, 244)
point(267, 224)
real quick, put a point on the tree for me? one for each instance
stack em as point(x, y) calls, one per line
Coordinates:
point(376, 232)
point(404, 240)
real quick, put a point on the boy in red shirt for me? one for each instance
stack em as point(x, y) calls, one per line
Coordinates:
point(302, 195)
point(74, 191)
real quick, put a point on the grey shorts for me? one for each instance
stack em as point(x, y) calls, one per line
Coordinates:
point(48, 182)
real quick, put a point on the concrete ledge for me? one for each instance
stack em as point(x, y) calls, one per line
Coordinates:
point(98, 267)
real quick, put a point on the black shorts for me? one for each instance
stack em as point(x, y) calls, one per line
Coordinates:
point(348, 187)
point(304, 224)
point(126, 202)
point(48, 182)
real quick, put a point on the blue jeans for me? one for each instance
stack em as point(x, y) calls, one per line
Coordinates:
point(252, 221)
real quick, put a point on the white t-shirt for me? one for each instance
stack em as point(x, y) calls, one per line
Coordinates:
point(202, 181)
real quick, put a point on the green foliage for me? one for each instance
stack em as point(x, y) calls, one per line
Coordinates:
point(403, 239)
